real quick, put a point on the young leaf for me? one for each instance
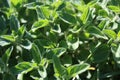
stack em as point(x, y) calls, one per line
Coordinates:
point(39, 24)
point(85, 15)
point(110, 33)
point(115, 9)
point(17, 2)
point(21, 31)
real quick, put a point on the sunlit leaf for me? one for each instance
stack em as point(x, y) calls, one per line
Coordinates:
point(39, 24)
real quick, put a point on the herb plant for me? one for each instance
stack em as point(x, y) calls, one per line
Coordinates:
point(59, 39)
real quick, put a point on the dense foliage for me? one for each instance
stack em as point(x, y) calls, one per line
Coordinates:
point(59, 39)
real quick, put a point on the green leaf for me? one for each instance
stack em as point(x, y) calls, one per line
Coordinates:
point(2, 23)
point(32, 5)
point(36, 53)
point(72, 42)
point(7, 55)
point(68, 18)
point(102, 24)
point(101, 53)
point(56, 29)
point(58, 5)
point(4, 42)
point(40, 24)
point(96, 32)
point(17, 2)
point(57, 66)
point(110, 33)
point(14, 23)
point(85, 15)
point(115, 9)
point(5, 3)
point(58, 51)
point(42, 12)
point(76, 69)
point(118, 36)
point(26, 44)
point(8, 38)
point(1, 66)
point(42, 71)
point(76, 29)
point(23, 67)
point(21, 31)
point(116, 54)
point(67, 60)
point(103, 13)
point(84, 54)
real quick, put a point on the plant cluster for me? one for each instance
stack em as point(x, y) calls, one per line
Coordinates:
point(59, 39)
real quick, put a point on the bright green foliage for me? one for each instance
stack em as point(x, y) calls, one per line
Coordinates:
point(59, 39)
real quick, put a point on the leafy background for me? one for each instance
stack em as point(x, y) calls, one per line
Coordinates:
point(59, 39)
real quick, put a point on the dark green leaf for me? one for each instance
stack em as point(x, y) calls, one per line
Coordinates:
point(8, 76)
point(14, 23)
point(67, 60)
point(96, 32)
point(2, 23)
point(101, 53)
point(68, 18)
